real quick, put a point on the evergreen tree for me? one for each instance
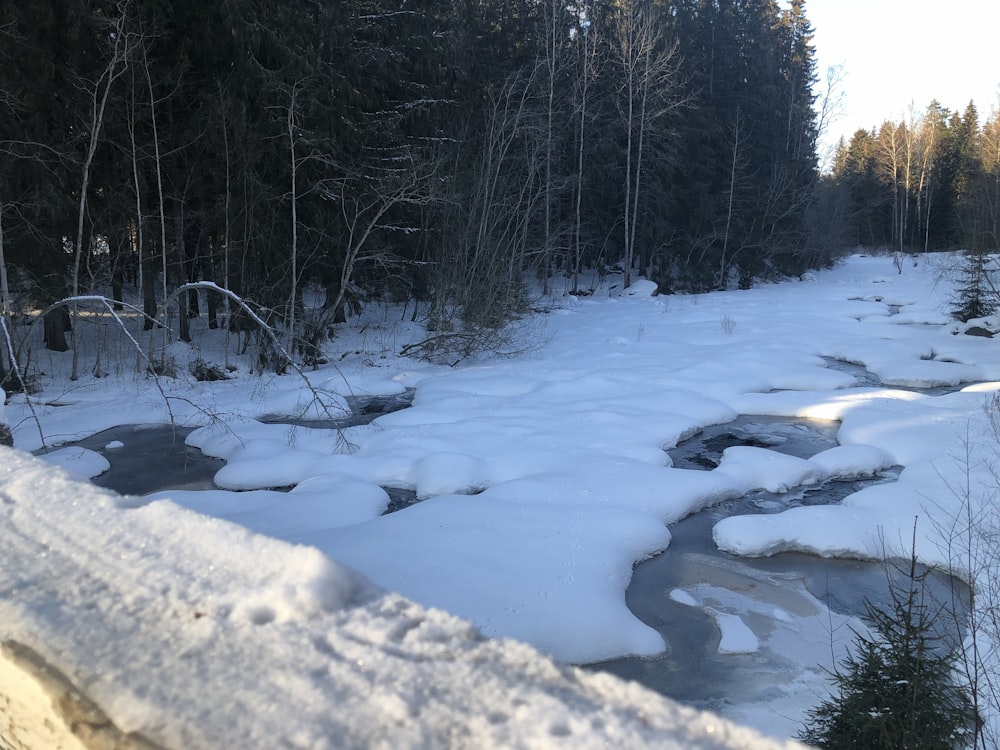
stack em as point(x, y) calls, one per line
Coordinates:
point(896, 690)
point(976, 295)
point(856, 173)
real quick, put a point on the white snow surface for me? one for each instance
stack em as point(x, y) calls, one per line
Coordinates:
point(543, 479)
point(201, 634)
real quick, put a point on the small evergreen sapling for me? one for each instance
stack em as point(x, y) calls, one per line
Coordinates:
point(975, 295)
point(896, 689)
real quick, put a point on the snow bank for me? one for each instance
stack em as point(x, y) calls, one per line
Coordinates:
point(197, 633)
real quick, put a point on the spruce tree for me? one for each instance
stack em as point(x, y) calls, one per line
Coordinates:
point(897, 688)
point(976, 296)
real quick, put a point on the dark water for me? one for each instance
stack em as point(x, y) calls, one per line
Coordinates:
point(362, 410)
point(153, 458)
point(693, 670)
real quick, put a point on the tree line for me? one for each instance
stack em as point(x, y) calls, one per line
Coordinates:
point(928, 182)
point(445, 153)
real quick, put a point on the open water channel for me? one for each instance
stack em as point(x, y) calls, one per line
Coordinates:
point(688, 593)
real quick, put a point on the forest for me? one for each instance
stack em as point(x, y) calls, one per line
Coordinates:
point(455, 155)
point(929, 182)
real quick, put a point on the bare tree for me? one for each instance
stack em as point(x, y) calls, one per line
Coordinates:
point(365, 203)
point(736, 167)
point(892, 164)
point(291, 131)
point(227, 214)
point(5, 303)
point(650, 89)
point(98, 92)
point(990, 192)
point(587, 45)
point(6, 102)
point(926, 145)
point(555, 36)
point(492, 214)
point(831, 107)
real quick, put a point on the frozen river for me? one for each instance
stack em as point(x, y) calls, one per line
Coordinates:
point(736, 628)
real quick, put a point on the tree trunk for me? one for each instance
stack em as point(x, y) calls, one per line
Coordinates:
point(56, 323)
point(149, 292)
point(183, 319)
point(212, 300)
point(118, 288)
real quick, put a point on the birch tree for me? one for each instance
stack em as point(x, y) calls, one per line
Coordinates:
point(587, 43)
point(555, 37)
point(650, 89)
point(98, 91)
point(892, 167)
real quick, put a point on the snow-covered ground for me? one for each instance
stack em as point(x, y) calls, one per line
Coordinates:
point(544, 478)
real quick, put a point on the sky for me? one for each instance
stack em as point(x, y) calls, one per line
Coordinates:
point(898, 52)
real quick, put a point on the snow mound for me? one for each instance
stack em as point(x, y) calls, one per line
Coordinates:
point(80, 462)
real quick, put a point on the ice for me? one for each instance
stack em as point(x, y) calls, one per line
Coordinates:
point(683, 597)
point(737, 638)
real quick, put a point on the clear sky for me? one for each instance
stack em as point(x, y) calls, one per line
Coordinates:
point(898, 52)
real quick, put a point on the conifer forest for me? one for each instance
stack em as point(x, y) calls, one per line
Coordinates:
point(452, 154)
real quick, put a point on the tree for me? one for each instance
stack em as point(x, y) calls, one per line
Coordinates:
point(650, 88)
point(586, 42)
point(989, 194)
point(479, 280)
point(855, 171)
point(932, 131)
point(555, 35)
point(976, 295)
point(894, 173)
point(897, 689)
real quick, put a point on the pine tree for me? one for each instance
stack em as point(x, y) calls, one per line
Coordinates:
point(897, 689)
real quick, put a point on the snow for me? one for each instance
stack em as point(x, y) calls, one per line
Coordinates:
point(80, 462)
point(542, 479)
point(200, 634)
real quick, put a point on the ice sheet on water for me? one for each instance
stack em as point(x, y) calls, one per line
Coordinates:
point(736, 638)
